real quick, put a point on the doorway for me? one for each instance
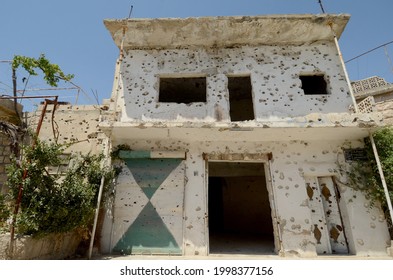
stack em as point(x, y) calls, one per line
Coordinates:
point(240, 220)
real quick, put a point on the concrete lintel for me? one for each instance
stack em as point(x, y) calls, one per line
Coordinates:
point(246, 157)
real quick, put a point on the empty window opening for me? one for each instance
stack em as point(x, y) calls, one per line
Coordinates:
point(239, 209)
point(314, 84)
point(182, 90)
point(240, 99)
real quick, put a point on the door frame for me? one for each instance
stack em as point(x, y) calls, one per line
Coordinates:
point(244, 158)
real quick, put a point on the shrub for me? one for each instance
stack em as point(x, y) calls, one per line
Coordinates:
point(54, 203)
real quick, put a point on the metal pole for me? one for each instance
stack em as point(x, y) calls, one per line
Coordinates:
point(385, 187)
point(344, 70)
point(380, 170)
point(97, 210)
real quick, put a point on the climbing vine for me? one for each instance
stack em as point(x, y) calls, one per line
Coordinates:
point(367, 172)
point(52, 202)
point(365, 176)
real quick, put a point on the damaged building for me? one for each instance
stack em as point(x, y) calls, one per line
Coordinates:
point(235, 129)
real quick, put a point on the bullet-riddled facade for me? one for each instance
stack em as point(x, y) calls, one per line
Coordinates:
point(231, 132)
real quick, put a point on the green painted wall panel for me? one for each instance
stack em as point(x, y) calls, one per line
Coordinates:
point(153, 230)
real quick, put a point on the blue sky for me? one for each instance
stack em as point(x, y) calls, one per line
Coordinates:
point(71, 34)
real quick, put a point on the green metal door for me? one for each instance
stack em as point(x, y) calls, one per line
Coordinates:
point(148, 214)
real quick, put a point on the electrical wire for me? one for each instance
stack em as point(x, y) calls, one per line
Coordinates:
point(360, 55)
point(388, 57)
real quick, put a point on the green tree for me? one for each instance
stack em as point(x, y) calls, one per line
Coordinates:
point(53, 202)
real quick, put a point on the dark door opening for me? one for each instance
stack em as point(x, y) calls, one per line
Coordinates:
point(240, 219)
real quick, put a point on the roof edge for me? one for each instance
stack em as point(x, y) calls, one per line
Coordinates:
point(222, 31)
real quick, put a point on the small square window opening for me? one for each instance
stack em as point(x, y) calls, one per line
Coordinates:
point(314, 84)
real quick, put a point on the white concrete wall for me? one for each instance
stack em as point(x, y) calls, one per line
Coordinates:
point(365, 228)
point(274, 72)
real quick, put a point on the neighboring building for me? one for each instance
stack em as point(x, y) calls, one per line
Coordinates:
point(236, 128)
point(74, 125)
point(375, 94)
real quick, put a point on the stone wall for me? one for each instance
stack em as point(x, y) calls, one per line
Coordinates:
point(7, 115)
point(5, 153)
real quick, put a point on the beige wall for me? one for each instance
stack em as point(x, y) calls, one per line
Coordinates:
point(386, 108)
point(71, 124)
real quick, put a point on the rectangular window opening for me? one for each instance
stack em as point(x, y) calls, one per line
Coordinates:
point(240, 99)
point(314, 84)
point(182, 90)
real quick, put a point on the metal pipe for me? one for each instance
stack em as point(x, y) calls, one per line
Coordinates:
point(385, 187)
point(344, 70)
point(29, 97)
point(380, 170)
point(97, 210)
